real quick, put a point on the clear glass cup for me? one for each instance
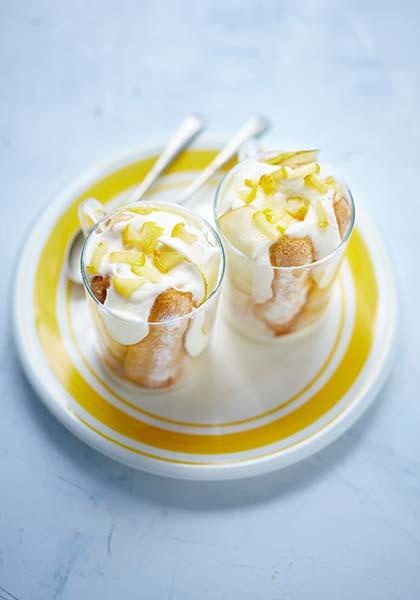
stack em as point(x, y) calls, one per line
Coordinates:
point(272, 304)
point(168, 347)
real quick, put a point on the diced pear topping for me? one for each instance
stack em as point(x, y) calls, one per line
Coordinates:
point(273, 215)
point(297, 206)
point(250, 196)
point(149, 235)
point(322, 215)
point(130, 235)
point(179, 232)
point(268, 184)
point(145, 239)
point(166, 258)
point(279, 217)
point(96, 259)
point(271, 230)
point(330, 181)
point(127, 286)
point(127, 257)
point(315, 183)
point(292, 159)
point(147, 272)
point(270, 181)
point(303, 171)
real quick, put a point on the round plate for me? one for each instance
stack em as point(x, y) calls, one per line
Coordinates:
point(250, 408)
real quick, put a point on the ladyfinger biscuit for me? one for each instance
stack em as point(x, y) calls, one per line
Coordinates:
point(155, 361)
point(343, 215)
point(290, 288)
point(99, 286)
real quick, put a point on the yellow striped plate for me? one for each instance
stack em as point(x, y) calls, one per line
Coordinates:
point(250, 408)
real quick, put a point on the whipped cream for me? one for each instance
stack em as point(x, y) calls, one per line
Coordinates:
point(126, 315)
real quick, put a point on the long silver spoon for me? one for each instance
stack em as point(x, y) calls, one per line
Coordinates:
point(253, 128)
point(188, 129)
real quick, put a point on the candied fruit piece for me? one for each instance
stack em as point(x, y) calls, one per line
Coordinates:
point(127, 285)
point(322, 215)
point(315, 183)
point(96, 259)
point(128, 257)
point(179, 232)
point(166, 258)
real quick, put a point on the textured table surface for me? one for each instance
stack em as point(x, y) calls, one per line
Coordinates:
point(81, 82)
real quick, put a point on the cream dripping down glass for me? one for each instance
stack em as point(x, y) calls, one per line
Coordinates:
point(285, 221)
point(152, 274)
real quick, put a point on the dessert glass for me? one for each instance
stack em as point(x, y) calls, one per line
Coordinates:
point(303, 292)
point(161, 351)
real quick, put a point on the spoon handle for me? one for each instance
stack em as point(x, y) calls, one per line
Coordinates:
point(252, 128)
point(183, 136)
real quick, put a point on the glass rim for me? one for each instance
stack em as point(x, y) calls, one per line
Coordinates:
point(195, 310)
point(316, 263)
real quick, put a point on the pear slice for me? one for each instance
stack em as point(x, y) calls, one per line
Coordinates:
point(96, 259)
point(145, 238)
point(127, 286)
point(141, 210)
point(179, 232)
point(127, 257)
point(241, 231)
point(166, 258)
point(302, 171)
point(292, 159)
point(205, 283)
point(210, 272)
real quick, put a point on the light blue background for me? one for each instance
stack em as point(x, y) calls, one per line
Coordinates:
point(81, 82)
